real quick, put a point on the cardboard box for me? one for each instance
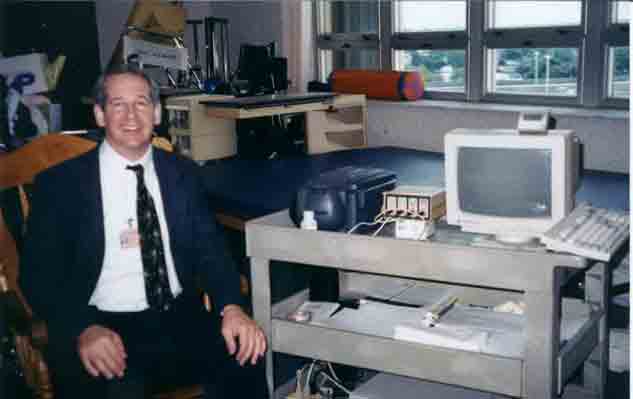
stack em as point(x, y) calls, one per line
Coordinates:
point(29, 71)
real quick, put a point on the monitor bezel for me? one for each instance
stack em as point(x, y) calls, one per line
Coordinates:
point(509, 228)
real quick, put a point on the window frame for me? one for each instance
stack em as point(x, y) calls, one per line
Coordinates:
point(615, 35)
point(437, 40)
point(592, 39)
point(341, 41)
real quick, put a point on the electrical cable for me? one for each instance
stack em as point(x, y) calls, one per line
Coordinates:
point(329, 366)
point(389, 220)
point(350, 231)
point(310, 373)
point(347, 391)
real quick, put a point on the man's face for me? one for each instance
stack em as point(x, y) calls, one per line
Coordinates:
point(129, 115)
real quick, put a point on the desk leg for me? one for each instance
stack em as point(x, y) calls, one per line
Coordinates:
point(260, 280)
point(542, 319)
point(597, 283)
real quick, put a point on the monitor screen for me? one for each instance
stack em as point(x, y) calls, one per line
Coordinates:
point(506, 182)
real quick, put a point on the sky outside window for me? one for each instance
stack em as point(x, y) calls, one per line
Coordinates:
point(430, 16)
point(505, 14)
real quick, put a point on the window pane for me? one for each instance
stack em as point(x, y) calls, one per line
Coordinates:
point(529, 71)
point(526, 14)
point(348, 16)
point(350, 59)
point(618, 84)
point(430, 16)
point(442, 70)
point(620, 12)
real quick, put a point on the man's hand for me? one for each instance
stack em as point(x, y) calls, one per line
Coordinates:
point(236, 324)
point(102, 352)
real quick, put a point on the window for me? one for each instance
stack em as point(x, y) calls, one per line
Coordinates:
point(442, 70)
point(430, 37)
point(431, 16)
point(348, 35)
point(620, 12)
point(532, 49)
point(566, 52)
point(341, 16)
point(504, 14)
point(617, 84)
point(534, 71)
point(353, 58)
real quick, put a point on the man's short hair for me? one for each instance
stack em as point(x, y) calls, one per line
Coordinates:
point(99, 91)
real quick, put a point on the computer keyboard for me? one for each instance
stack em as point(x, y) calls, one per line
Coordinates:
point(588, 231)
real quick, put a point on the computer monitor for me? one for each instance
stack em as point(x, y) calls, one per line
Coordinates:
point(254, 66)
point(515, 186)
point(265, 73)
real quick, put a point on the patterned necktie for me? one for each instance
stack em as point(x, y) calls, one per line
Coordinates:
point(157, 289)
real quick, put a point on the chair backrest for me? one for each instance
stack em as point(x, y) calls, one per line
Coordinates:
point(17, 169)
point(8, 259)
point(20, 167)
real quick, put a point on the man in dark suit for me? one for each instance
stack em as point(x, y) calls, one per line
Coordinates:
point(119, 243)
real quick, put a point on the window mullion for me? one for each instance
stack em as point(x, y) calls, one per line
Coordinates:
point(474, 51)
point(317, 15)
point(593, 58)
point(385, 22)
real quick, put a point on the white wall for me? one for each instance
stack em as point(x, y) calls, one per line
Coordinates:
point(255, 22)
point(252, 22)
point(605, 137)
point(281, 21)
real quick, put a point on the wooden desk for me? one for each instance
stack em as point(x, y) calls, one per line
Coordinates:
point(205, 132)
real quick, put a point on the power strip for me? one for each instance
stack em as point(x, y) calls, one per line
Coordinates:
point(414, 202)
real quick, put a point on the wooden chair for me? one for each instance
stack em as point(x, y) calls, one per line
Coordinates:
point(17, 169)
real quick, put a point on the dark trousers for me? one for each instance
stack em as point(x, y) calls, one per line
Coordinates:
point(183, 345)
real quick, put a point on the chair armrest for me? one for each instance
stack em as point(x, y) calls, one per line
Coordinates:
point(39, 334)
point(21, 322)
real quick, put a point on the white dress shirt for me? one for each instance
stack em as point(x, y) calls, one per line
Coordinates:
point(121, 285)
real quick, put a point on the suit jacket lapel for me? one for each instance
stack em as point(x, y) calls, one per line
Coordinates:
point(168, 179)
point(92, 238)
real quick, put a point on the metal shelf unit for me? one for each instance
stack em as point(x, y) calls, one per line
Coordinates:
point(448, 258)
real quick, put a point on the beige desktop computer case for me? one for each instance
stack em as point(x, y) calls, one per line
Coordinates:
point(194, 133)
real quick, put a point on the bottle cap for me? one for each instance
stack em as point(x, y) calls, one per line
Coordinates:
point(308, 222)
point(308, 215)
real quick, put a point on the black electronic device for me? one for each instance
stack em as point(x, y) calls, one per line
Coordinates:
point(254, 66)
point(279, 71)
point(343, 197)
point(218, 68)
point(265, 73)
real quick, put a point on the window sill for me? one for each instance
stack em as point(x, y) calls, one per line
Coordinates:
point(554, 110)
